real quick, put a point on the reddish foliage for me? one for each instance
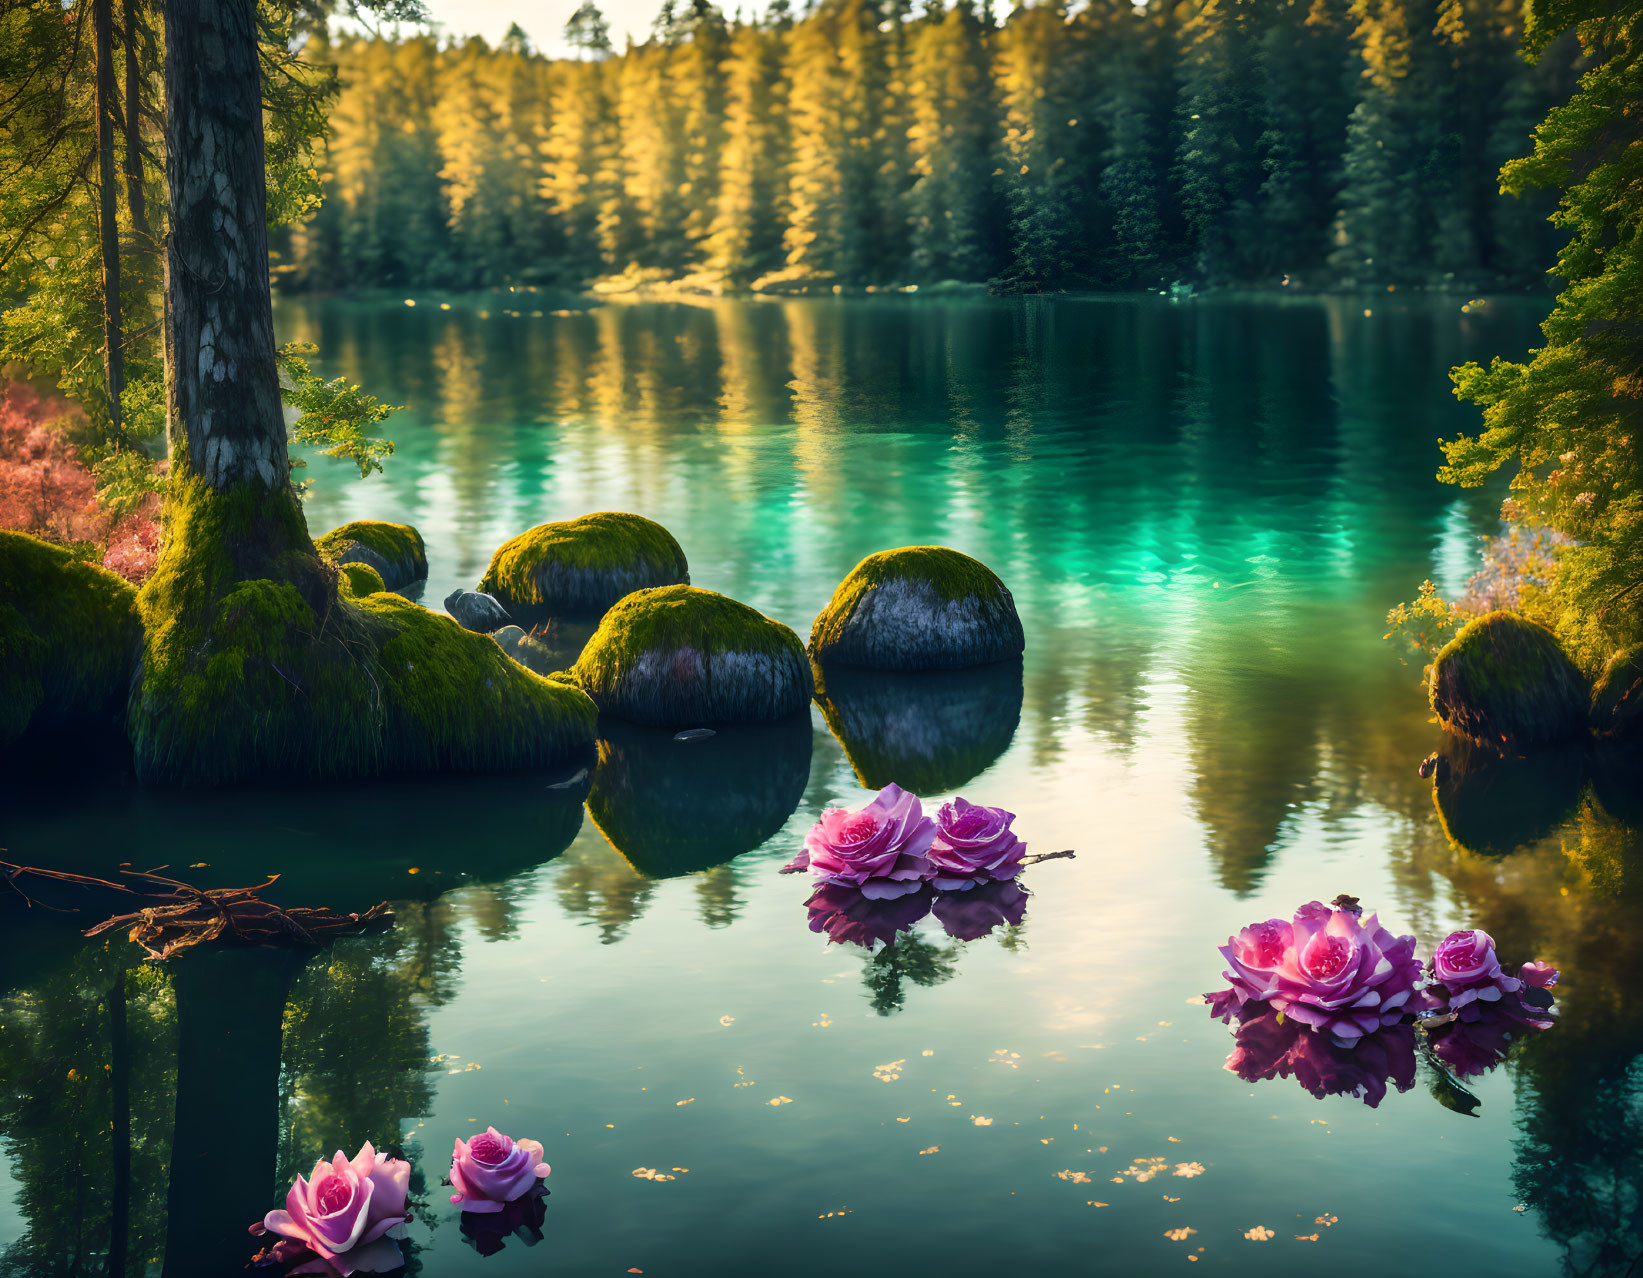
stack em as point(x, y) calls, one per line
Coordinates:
point(47, 491)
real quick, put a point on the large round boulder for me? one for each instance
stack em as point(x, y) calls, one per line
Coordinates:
point(394, 550)
point(918, 608)
point(676, 656)
point(1504, 683)
point(1617, 700)
point(580, 567)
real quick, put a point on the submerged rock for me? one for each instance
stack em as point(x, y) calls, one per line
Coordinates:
point(580, 567)
point(1504, 682)
point(929, 731)
point(673, 811)
point(477, 612)
point(394, 550)
point(679, 657)
point(918, 608)
point(508, 639)
point(1617, 700)
point(68, 638)
point(1494, 804)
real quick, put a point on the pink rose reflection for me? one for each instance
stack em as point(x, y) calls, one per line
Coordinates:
point(1330, 969)
point(1472, 1046)
point(880, 848)
point(1268, 1046)
point(492, 1170)
point(848, 916)
point(970, 915)
point(973, 845)
point(347, 1212)
point(522, 1220)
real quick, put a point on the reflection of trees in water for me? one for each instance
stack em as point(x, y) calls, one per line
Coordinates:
point(85, 1055)
point(594, 882)
point(909, 958)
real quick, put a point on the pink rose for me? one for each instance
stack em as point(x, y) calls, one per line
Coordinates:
point(1329, 969)
point(1540, 974)
point(492, 1170)
point(346, 1211)
point(1466, 966)
point(973, 845)
point(879, 848)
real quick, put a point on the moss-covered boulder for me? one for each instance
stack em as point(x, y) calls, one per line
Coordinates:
point(284, 674)
point(1617, 699)
point(1494, 804)
point(68, 638)
point(580, 567)
point(918, 608)
point(362, 579)
point(394, 550)
point(675, 807)
point(1504, 682)
point(929, 731)
point(681, 657)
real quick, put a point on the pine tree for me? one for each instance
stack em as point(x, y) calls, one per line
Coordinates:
point(745, 238)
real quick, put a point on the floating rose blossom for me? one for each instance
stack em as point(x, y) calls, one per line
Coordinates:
point(1539, 974)
point(973, 845)
point(880, 848)
point(1329, 969)
point(1466, 967)
point(492, 1170)
point(1473, 1045)
point(346, 1212)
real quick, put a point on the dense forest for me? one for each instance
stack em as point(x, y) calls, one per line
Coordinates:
point(1318, 142)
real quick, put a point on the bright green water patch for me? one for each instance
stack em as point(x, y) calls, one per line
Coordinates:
point(1203, 512)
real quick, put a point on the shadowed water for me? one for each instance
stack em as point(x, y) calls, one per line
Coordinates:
point(1204, 511)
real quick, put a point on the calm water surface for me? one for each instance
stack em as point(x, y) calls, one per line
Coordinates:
point(1204, 512)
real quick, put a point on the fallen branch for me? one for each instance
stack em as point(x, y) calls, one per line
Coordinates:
point(186, 916)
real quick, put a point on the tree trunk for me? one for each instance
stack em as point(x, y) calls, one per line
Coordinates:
point(136, 199)
point(222, 385)
point(102, 23)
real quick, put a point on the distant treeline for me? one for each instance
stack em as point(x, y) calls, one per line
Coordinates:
point(1349, 142)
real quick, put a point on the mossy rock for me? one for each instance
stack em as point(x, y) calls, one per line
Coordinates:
point(362, 579)
point(580, 567)
point(1617, 700)
point(918, 608)
point(676, 807)
point(399, 545)
point(1494, 804)
point(286, 675)
point(681, 657)
point(1504, 682)
point(69, 638)
point(929, 731)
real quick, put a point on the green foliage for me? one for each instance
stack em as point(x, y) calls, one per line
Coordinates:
point(68, 637)
point(1569, 419)
point(334, 416)
point(1425, 625)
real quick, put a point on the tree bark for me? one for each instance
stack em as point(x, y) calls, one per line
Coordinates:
point(102, 23)
point(136, 199)
point(222, 386)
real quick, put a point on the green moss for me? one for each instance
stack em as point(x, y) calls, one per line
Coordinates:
point(1617, 699)
point(399, 544)
point(361, 579)
point(1504, 682)
point(971, 616)
point(256, 665)
point(583, 566)
point(68, 637)
point(679, 655)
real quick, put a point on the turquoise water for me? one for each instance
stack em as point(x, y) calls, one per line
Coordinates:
point(1204, 511)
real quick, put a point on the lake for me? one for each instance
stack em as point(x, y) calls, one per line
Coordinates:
point(1204, 510)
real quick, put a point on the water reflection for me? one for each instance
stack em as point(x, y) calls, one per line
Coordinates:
point(1493, 804)
point(1271, 1046)
point(675, 807)
point(928, 731)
